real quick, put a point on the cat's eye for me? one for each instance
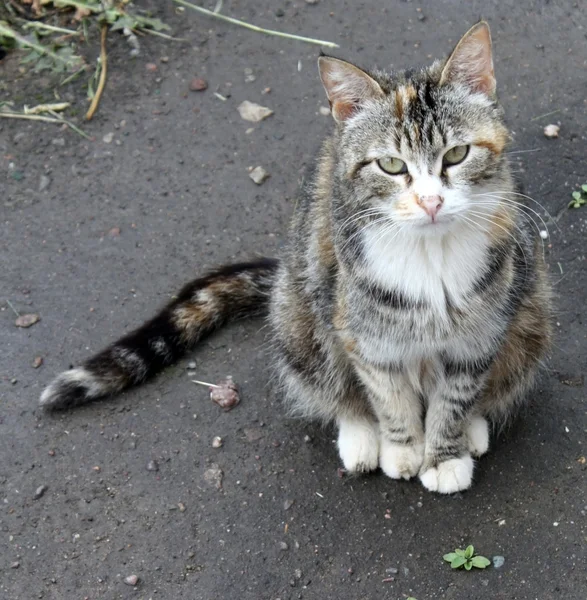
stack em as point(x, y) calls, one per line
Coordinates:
point(393, 165)
point(455, 156)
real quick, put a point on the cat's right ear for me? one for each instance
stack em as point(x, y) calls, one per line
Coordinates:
point(347, 87)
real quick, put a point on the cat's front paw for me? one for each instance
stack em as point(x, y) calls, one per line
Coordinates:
point(450, 476)
point(399, 461)
point(478, 436)
point(358, 445)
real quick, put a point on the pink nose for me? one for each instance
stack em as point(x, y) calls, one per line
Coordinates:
point(431, 204)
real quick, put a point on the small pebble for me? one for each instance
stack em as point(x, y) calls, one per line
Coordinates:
point(58, 142)
point(181, 506)
point(287, 504)
point(312, 1)
point(324, 110)
point(44, 183)
point(39, 492)
point(192, 364)
point(498, 561)
point(107, 139)
point(27, 320)
point(551, 131)
point(51, 453)
point(15, 565)
point(258, 175)
point(544, 234)
point(283, 546)
point(214, 475)
point(307, 439)
point(279, 12)
point(152, 465)
point(131, 580)
point(197, 84)
point(37, 362)
point(151, 67)
point(217, 442)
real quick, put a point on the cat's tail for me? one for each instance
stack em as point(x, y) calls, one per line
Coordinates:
point(201, 307)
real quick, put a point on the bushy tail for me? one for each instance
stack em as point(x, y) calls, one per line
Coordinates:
point(201, 307)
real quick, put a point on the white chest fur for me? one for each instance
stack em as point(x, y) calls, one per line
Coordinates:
point(427, 267)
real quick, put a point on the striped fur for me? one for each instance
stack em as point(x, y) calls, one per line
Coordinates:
point(413, 331)
point(199, 309)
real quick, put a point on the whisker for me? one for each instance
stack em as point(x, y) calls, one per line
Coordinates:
point(520, 230)
point(518, 206)
point(509, 233)
point(527, 198)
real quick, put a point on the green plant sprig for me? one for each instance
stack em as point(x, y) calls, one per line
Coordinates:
point(466, 559)
point(579, 197)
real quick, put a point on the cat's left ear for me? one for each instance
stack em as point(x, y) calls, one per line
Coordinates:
point(471, 62)
point(347, 87)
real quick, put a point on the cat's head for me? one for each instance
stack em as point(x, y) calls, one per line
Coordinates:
point(420, 148)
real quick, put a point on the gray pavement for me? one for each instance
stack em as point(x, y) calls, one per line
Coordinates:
point(122, 225)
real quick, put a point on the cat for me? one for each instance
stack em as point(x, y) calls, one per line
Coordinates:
point(411, 305)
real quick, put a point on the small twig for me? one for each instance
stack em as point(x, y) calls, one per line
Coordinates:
point(163, 35)
point(220, 96)
point(73, 76)
point(41, 108)
point(102, 82)
point(212, 385)
point(39, 25)
point(71, 125)
point(12, 307)
point(57, 119)
point(545, 115)
point(290, 36)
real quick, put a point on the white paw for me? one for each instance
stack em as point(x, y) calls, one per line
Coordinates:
point(399, 461)
point(450, 476)
point(478, 436)
point(358, 445)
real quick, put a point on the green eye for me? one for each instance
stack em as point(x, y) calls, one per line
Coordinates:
point(455, 156)
point(392, 165)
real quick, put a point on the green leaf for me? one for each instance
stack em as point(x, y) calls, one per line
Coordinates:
point(460, 552)
point(155, 24)
point(450, 556)
point(469, 552)
point(576, 195)
point(458, 562)
point(124, 21)
point(480, 562)
point(468, 565)
point(584, 187)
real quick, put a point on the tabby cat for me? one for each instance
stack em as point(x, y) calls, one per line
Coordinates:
point(411, 305)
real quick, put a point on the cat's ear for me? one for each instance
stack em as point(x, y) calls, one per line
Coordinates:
point(347, 87)
point(471, 62)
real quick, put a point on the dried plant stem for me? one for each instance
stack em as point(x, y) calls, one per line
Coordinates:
point(56, 119)
point(212, 385)
point(102, 82)
point(163, 35)
point(39, 25)
point(12, 307)
point(290, 36)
